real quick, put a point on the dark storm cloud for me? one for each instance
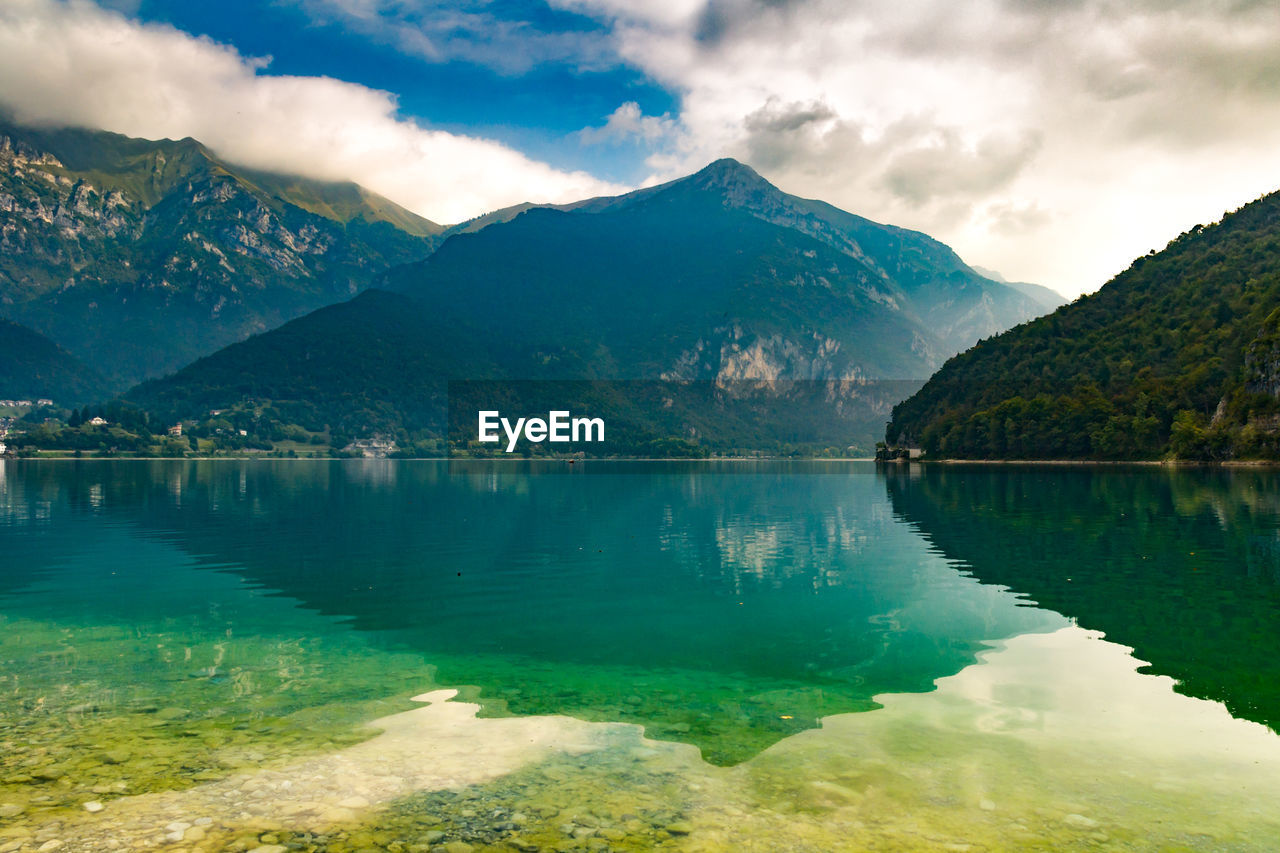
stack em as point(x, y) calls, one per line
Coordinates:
point(719, 19)
point(779, 118)
point(916, 160)
point(947, 167)
point(1017, 220)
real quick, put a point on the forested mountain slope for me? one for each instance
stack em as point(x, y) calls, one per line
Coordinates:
point(1178, 355)
point(33, 367)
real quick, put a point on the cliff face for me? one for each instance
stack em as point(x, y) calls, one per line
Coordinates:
point(1262, 359)
point(141, 256)
point(731, 355)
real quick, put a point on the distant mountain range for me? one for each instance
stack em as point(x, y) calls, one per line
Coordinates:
point(1179, 355)
point(139, 256)
point(126, 259)
point(717, 278)
point(1047, 297)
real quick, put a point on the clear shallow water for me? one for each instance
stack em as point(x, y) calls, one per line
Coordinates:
point(787, 655)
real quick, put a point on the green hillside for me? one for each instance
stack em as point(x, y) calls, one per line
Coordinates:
point(384, 364)
point(139, 256)
point(373, 364)
point(34, 367)
point(1177, 356)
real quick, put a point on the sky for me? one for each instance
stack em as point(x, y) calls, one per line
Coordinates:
point(1051, 140)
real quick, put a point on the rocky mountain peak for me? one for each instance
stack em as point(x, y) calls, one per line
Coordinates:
point(738, 183)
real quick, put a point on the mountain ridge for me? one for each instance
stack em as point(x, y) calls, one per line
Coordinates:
point(705, 280)
point(141, 255)
point(928, 270)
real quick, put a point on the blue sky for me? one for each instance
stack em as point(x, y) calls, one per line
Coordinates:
point(537, 108)
point(1050, 141)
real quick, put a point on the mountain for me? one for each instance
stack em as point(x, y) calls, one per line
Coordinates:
point(655, 270)
point(138, 256)
point(1179, 355)
point(373, 363)
point(1048, 298)
point(33, 367)
point(922, 277)
point(718, 279)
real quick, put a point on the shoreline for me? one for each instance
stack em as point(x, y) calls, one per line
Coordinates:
point(1112, 463)
point(469, 459)
point(1055, 463)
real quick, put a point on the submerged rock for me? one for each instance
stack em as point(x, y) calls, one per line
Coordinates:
point(115, 756)
point(458, 847)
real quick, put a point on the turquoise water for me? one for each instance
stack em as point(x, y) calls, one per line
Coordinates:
point(805, 655)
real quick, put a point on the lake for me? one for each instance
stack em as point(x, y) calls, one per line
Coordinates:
point(422, 655)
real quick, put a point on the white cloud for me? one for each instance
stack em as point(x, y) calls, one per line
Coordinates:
point(77, 63)
point(626, 123)
point(468, 30)
point(1053, 141)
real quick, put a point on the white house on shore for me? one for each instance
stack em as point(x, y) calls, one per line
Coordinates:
point(372, 448)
